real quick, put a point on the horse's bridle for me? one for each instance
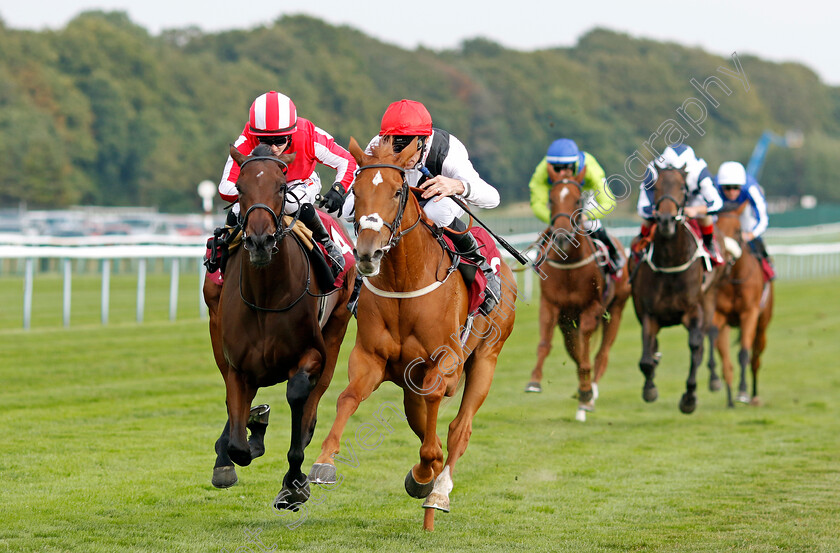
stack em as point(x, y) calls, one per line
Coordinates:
point(394, 226)
point(280, 231)
point(680, 205)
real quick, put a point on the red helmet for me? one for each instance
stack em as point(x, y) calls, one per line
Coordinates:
point(272, 114)
point(406, 118)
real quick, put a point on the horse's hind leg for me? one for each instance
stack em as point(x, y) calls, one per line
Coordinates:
point(549, 314)
point(758, 348)
point(749, 322)
point(612, 322)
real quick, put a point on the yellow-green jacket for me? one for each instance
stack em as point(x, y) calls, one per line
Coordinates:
point(593, 182)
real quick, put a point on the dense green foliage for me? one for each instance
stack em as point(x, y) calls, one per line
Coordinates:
point(109, 436)
point(102, 112)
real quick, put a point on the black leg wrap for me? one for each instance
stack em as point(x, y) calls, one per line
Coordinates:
point(353, 303)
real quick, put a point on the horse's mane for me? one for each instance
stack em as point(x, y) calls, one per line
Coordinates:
point(383, 149)
point(262, 150)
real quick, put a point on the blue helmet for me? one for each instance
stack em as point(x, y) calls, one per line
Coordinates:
point(563, 150)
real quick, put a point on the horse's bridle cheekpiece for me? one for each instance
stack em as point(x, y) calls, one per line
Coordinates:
point(395, 224)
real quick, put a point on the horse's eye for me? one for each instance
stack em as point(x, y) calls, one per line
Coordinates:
point(398, 194)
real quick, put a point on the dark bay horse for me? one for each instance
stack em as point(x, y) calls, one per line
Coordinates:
point(411, 327)
point(264, 325)
point(668, 284)
point(574, 295)
point(745, 300)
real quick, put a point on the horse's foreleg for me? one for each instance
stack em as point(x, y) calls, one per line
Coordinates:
point(726, 361)
point(295, 489)
point(648, 362)
point(431, 452)
point(758, 348)
point(239, 397)
point(224, 473)
point(714, 380)
point(696, 337)
point(749, 322)
point(549, 314)
point(366, 372)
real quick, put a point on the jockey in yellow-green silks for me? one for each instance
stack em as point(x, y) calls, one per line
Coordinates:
point(565, 161)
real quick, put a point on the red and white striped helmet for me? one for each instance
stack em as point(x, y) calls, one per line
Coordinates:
point(272, 114)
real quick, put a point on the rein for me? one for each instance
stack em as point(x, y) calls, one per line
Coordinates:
point(396, 236)
point(699, 252)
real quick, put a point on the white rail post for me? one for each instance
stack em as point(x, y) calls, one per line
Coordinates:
point(141, 288)
point(106, 289)
point(27, 292)
point(68, 270)
point(173, 288)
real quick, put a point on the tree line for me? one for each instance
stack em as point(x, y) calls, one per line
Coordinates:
point(101, 112)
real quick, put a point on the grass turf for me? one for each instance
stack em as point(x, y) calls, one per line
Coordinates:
point(109, 436)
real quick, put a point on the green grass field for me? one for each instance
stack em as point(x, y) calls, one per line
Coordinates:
point(109, 432)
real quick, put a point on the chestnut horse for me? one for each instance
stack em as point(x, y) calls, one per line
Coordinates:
point(669, 287)
point(413, 327)
point(575, 296)
point(745, 300)
point(264, 326)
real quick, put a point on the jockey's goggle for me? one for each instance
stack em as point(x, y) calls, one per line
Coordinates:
point(281, 140)
point(728, 187)
point(563, 167)
point(399, 142)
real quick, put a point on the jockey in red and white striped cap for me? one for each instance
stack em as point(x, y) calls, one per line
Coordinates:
point(273, 121)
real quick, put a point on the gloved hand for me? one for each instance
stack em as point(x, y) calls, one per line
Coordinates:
point(333, 201)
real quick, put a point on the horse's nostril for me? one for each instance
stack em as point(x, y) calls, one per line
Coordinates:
point(377, 255)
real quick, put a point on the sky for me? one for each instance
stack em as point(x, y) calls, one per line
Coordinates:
point(805, 32)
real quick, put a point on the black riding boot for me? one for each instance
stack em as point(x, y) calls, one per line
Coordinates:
point(468, 249)
point(353, 303)
point(616, 261)
point(310, 218)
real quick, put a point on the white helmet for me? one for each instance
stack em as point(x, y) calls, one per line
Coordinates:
point(731, 173)
point(676, 156)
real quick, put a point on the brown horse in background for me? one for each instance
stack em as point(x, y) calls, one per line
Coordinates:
point(413, 328)
point(745, 300)
point(264, 327)
point(668, 284)
point(575, 296)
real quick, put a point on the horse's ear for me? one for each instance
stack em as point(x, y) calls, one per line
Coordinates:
point(356, 151)
point(287, 158)
point(237, 156)
point(407, 152)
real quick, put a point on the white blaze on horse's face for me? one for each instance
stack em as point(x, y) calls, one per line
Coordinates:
point(371, 222)
point(377, 179)
point(260, 174)
point(563, 194)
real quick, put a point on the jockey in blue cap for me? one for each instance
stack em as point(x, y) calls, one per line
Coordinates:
point(737, 187)
point(564, 160)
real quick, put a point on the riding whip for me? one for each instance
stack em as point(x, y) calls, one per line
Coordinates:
point(504, 243)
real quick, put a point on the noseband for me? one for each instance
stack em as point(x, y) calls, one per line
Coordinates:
point(394, 226)
point(280, 232)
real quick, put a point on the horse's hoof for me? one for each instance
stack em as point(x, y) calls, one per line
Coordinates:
point(580, 416)
point(650, 393)
point(437, 501)
point(290, 499)
point(323, 473)
point(586, 397)
point(715, 384)
point(415, 489)
point(259, 415)
point(756, 401)
point(742, 398)
point(688, 403)
point(594, 390)
point(534, 387)
point(224, 477)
